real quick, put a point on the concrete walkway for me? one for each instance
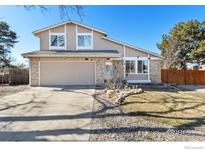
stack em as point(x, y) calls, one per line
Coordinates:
point(197, 88)
point(42, 113)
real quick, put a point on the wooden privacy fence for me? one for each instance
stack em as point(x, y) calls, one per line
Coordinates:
point(183, 77)
point(14, 76)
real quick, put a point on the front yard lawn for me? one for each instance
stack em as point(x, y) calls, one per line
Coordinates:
point(179, 109)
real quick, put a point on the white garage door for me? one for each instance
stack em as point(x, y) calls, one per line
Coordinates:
point(67, 73)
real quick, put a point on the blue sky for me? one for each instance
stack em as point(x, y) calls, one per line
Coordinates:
point(141, 26)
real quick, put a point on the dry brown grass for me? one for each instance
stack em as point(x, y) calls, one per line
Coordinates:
point(179, 109)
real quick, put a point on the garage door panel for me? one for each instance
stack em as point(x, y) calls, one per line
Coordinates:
point(67, 73)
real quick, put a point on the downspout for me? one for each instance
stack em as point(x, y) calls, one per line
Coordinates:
point(29, 72)
point(148, 67)
point(124, 64)
point(76, 37)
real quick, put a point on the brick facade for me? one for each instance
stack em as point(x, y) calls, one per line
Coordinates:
point(100, 66)
point(155, 69)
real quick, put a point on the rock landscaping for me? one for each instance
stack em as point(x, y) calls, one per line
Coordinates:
point(118, 94)
point(109, 123)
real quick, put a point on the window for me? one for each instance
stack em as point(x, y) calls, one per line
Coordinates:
point(108, 69)
point(130, 66)
point(145, 66)
point(57, 41)
point(85, 41)
point(139, 66)
point(142, 66)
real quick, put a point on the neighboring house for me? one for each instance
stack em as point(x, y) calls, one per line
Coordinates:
point(195, 66)
point(192, 66)
point(72, 53)
point(202, 67)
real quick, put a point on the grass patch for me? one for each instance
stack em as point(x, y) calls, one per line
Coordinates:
point(178, 109)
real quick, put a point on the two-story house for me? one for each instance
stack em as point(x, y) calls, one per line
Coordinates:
point(72, 53)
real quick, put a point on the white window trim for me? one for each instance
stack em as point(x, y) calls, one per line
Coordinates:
point(139, 81)
point(130, 69)
point(63, 47)
point(136, 58)
point(142, 66)
point(83, 34)
point(136, 67)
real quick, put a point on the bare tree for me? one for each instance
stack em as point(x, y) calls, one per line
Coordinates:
point(64, 10)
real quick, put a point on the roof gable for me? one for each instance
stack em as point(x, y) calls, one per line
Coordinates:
point(68, 22)
point(133, 47)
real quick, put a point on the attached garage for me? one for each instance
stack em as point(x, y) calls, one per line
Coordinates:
point(66, 73)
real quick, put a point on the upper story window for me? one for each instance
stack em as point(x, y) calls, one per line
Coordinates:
point(57, 41)
point(85, 41)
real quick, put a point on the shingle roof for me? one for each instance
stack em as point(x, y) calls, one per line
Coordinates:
point(73, 53)
point(134, 47)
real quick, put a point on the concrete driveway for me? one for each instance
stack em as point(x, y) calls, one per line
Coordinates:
point(43, 113)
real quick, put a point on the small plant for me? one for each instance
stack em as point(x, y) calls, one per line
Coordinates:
point(124, 82)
